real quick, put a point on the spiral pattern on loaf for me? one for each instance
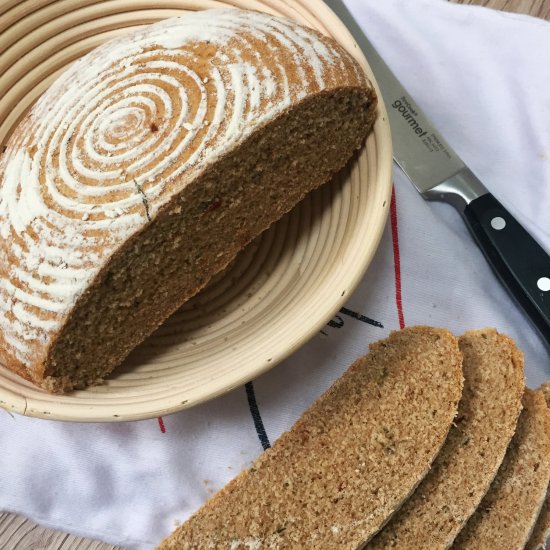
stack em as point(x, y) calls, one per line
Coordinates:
point(122, 131)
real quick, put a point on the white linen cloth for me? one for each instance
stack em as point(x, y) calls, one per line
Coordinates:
point(483, 77)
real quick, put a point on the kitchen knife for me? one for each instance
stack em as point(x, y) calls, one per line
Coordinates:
point(438, 173)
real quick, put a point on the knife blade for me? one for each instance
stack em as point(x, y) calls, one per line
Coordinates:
point(438, 173)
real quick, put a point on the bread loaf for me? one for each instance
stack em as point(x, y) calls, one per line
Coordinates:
point(470, 458)
point(335, 478)
point(508, 512)
point(541, 532)
point(147, 166)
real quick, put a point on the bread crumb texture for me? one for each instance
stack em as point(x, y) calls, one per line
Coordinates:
point(349, 462)
point(469, 460)
point(541, 532)
point(509, 510)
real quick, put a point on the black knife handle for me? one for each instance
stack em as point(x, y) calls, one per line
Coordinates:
point(520, 262)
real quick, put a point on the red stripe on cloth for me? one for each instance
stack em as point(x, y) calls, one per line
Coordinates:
point(161, 425)
point(396, 259)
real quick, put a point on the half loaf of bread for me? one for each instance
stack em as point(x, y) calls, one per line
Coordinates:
point(349, 462)
point(148, 165)
point(470, 458)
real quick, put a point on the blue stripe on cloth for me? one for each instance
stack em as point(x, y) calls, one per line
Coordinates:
point(255, 412)
point(360, 317)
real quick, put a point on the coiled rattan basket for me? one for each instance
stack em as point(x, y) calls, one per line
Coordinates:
point(280, 291)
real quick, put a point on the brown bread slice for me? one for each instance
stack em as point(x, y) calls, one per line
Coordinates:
point(509, 510)
point(541, 532)
point(469, 460)
point(348, 463)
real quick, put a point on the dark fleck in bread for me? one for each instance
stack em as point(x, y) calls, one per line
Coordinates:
point(508, 512)
point(148, 166)
point(349, 462)
point(469, 460)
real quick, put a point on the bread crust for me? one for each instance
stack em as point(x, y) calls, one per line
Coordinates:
point(508, 512)
point(541, 531)
point(473, 451)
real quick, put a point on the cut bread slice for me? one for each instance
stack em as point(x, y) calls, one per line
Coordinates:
point(508, 512)
point(349, 462)
point(541, 532)
point(469, 460)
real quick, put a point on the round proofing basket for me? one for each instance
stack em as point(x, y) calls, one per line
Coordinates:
point(278, 293)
